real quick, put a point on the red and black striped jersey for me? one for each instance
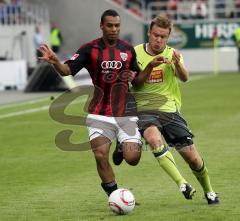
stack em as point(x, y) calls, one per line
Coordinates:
point(109, 68)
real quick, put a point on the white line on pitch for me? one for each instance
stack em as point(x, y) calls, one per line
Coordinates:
point(24, 103)
point(34, 110)
point(19, 113)
point(199, 77)
point(35, 101)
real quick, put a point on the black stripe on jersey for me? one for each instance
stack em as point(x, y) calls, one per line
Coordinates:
point(123, 46)
point(94, 64)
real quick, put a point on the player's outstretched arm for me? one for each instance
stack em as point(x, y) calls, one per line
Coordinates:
point(144, 75)
point(181, 71)
point(49, 56)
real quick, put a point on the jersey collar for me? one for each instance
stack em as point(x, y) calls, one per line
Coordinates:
point(145, 49)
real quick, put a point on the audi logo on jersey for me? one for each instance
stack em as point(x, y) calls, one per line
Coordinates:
point(111, 65)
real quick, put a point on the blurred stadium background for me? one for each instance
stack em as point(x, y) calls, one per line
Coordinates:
point(193, 35)
point(40, 182)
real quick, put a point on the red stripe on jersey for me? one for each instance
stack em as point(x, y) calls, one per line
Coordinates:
point(129, 53)
point(94, 59)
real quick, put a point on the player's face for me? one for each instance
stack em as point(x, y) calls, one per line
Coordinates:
point(111, 28)
point(157, 38)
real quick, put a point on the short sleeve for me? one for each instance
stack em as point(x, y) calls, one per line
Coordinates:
point(78, 60)
point(133, 64)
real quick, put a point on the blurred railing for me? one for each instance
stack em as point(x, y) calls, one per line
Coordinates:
point(183, 11)
point(180, 10)
point(22, 14)
point(18, 23)
point(136, 7)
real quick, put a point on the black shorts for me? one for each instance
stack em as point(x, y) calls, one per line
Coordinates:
point(172, 126)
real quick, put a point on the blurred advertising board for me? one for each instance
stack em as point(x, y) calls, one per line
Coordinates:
point(201, 34)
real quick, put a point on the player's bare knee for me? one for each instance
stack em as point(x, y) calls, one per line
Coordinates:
point(152, 140)
point(195, 163)
point(100, 156)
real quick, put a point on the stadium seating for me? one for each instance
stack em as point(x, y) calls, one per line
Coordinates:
point(183, 9)
point(17, 28)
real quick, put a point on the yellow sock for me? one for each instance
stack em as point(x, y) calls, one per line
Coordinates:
point(166, 161)
point(203, 178)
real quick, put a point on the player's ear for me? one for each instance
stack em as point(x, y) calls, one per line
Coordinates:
point(148, 33)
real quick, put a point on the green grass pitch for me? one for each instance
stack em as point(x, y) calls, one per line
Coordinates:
point(40, 182)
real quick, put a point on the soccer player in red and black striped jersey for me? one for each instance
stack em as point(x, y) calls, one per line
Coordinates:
point(111, 63)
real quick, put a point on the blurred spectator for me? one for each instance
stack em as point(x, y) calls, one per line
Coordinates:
point(199, 9)
point(10, 11)
point(56, 39)
point(172, 8)
point(2, 11)
point(14, 10)
point(120, 2)
point(37, 40)
point(229, 13)
point(220, 8)
point(164, 4)
point(184, 9)
point(147, 2)
point(156, 7)
point(237, 5)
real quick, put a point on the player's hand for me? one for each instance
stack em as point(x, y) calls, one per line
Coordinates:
point(48, 55)
point(176, 57)
point(158, 61)
point(131, 75)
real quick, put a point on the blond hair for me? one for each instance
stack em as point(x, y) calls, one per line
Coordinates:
point(162, 21)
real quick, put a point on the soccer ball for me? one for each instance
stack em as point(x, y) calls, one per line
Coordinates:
point(121, 201)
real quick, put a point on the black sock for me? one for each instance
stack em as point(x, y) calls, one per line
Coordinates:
point(109, 187)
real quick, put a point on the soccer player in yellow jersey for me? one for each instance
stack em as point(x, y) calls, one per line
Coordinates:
point(159, 101)
point(237, 40)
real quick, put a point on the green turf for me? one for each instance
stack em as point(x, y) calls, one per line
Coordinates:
point(40, 182)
